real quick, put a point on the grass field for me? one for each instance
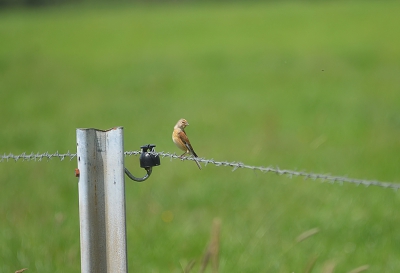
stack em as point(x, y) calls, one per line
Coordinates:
point(303, 86)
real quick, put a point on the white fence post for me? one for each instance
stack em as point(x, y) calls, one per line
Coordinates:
point(100, 157)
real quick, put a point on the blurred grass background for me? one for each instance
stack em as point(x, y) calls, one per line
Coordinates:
point(301, 85)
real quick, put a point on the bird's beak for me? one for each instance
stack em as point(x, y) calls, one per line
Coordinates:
point(187, 123)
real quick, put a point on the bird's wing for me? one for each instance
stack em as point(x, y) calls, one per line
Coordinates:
point(182, 135)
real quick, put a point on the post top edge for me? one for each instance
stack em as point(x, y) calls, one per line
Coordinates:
point(111, 129)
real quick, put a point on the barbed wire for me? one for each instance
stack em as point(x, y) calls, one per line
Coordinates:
point(278, 171)
point(234, 165)
point(37, 156)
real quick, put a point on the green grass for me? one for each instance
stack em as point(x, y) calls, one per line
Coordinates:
point(303, 86)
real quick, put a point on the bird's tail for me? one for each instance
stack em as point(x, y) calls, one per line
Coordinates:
point(198, 164)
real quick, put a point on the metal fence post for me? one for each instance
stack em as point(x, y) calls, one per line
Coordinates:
point(100, 157)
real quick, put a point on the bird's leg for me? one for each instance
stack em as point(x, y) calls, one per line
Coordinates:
point(182, 155)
